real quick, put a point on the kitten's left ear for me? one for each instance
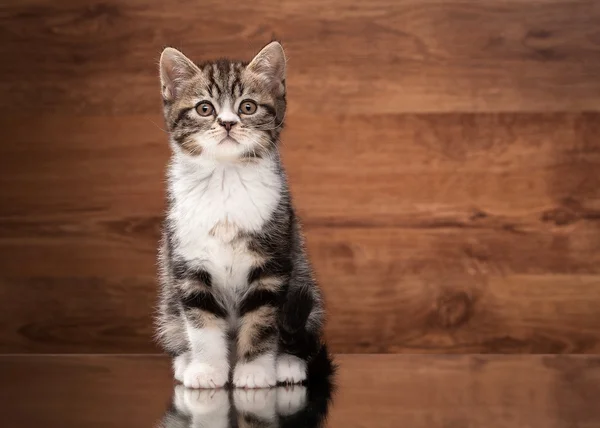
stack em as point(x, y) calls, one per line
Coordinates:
point(175, 70)
point(269, 64)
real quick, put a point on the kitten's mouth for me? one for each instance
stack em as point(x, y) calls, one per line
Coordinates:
point(228, 139)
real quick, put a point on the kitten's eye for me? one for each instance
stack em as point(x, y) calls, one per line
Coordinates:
point(205, 108)
point(248, 107)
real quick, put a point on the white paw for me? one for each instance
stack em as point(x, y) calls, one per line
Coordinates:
point(290, 369)
point(180, 363)
point(259, 402)
point(290, 399)
point(258, 373)
point(202, 375)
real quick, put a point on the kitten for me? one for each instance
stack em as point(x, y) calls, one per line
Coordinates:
point(237, 290)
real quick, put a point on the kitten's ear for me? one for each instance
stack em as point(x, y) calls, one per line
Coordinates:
point(269, 64)
point(175, 70)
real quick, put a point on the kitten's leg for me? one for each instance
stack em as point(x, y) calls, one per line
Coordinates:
point(257, 340)
point(171, 331)
point(209, 365)
point(300, 325)
point(206, 326)
point(173, 336)
point(180, 364)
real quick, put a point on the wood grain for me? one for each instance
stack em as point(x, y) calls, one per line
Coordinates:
point(373, 390)
point(344, 170)
point(444, 158)
point(466, 391)
point(387, 56)
point(451, 232)
point(368, 312)
point(77, 315)
point(75, 391)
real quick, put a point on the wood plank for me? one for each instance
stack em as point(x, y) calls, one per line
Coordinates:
point(516, 168)
point(84, 390)
point(388, 168)
point(466, 314)
point(387, 56)
point(466, 391)
point(367, 312)
point(128, 248)
point(519, 190)
point(405, 212)
point(77, 315)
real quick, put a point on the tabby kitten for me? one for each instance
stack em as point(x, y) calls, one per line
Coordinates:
point(237, 290)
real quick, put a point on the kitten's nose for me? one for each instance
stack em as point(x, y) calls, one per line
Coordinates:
point(227, 124)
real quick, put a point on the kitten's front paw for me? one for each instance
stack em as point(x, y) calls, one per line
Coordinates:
point(202, 375)
point(258, 373)
point(290, 369)
point(180, 364)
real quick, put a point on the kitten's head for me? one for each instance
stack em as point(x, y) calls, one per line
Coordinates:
point(224, 110)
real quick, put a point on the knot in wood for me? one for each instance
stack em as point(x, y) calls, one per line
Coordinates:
point(453, 309)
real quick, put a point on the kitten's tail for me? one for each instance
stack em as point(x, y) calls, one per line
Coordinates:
point(321, 368)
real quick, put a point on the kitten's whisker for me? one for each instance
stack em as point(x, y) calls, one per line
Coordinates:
point(163, 130)
point(272, 121)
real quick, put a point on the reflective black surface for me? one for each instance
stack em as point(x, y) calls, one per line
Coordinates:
point(387, 391)
point(292, 407)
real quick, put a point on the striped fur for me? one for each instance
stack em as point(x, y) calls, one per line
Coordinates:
point(238, 299)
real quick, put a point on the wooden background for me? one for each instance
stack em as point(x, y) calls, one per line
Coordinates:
point(444, 156)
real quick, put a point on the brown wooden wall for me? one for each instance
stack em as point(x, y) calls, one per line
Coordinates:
point(444, 156)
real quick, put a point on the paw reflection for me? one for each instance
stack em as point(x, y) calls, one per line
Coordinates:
point(198, 408)
point(200, 401)
point(291, 400)
point(286, 406)
point(258, 402)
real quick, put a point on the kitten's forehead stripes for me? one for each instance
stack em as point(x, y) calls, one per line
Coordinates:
point(212, 87)
point(207, 72)
point(234, 85)
point(215, 76)
point(230, 75)
point(221, 72)
point(224, 79)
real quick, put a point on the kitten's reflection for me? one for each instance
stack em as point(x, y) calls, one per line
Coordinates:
point(282, 407)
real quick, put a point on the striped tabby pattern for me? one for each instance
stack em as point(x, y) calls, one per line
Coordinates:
point(238, 299)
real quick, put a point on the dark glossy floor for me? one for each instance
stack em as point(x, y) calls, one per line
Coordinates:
point(372, 391)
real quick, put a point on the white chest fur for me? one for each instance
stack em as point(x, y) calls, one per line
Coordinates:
point(212, 202)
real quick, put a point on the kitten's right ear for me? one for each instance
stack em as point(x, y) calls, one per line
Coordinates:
point(175, 70)
point(269, 64)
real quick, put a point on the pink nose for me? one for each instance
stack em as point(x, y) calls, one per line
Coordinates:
point(227, 125)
